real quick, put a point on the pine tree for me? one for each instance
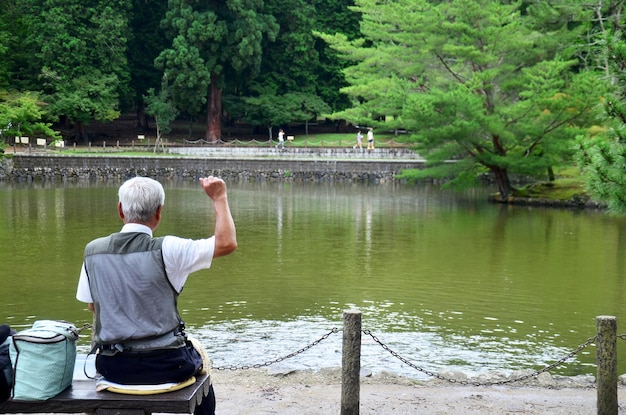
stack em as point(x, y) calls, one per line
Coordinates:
point(489, 85)
point(602, 158)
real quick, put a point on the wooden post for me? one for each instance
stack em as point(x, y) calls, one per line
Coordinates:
point(606, 359)
point(351, 362)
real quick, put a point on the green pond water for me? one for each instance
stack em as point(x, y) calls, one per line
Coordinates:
point(445, 279)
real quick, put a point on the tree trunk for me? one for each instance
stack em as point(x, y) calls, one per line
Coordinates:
point(158, 134)
point(142, 118)
point(502, 180)
point(214, 113)
point(79, 129)
point(551, 176)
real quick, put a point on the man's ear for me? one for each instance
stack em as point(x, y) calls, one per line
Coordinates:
point(120, 211)
point(157, 214)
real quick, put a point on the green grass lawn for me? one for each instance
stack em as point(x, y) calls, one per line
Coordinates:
point(330, 140)
point(146, 147)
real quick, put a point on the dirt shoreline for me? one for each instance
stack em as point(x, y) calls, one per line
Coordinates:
point(257, 391)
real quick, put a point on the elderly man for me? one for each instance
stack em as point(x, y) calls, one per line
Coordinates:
point(131, 281)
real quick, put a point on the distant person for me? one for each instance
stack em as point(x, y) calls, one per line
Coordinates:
point(359, 140)
point(370, 138)
point(131, 281)
point(281, 139)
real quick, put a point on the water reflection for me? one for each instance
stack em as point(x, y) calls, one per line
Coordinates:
point(445, 279)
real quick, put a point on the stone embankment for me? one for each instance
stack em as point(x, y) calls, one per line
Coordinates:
point(297, 164)
point(576, 202)
point(230, 163)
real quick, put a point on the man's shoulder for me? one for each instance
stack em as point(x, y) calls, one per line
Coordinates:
point(172, 242)
point(175, 240)
point(98, 241)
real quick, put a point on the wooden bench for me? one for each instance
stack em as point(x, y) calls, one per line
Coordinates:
point(82, 397)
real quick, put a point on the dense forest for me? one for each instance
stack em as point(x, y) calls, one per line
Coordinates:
point(500, 87)
point(80, 62)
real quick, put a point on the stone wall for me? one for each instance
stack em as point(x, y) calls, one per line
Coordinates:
point(385, 153)
point(26, 167)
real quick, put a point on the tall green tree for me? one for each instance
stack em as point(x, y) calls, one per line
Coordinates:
point(5, 37)
point(487, 84)
point(602, 157)
point(82, 53)
point(288, 82)
point(19, 67)
point(211, 42)
point(146, 40)
point(333, 16)
point(289, 62)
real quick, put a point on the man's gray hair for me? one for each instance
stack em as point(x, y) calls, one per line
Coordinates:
point(140, 198)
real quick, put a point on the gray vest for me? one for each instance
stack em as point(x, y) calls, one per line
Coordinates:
point(135, 304)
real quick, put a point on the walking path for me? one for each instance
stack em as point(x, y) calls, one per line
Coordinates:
point(325, 153)
point(226, 151)
point(319, 393)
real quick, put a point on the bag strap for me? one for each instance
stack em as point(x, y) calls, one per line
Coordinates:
point(91, 352)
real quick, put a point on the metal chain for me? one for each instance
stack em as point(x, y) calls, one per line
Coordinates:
point(488, 383)
point(280, 359)
point(334, 330)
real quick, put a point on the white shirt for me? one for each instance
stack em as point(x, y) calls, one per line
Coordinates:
point(181, 257)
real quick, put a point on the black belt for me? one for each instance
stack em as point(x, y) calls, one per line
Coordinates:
point(127, 352)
